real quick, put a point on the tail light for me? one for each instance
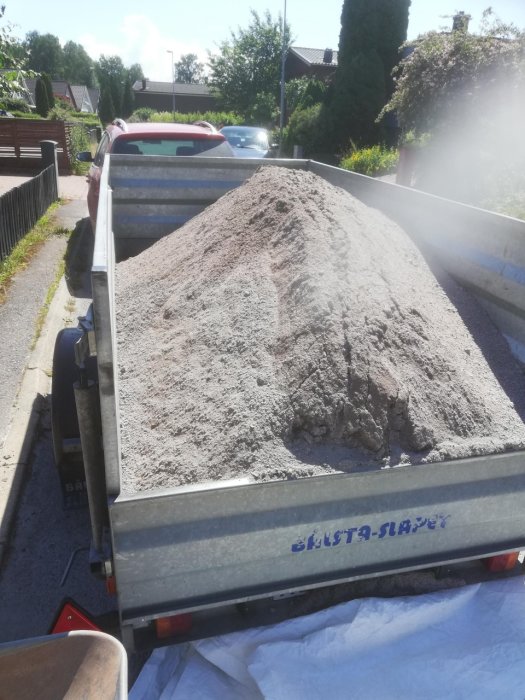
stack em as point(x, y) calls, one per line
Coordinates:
point(173, 625)
point(501, 562)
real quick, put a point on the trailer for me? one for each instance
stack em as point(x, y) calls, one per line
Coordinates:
point(195, 561)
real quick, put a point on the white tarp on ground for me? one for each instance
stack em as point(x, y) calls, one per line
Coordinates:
point(455, 644)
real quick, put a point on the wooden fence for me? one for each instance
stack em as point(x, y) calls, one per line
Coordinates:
point(21, 207)
point(20, 145)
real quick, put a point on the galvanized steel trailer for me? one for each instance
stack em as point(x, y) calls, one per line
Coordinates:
point(203, 549)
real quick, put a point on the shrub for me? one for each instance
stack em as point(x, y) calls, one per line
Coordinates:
point(305, 129)
point(15, 104)
point(218, 119)
point(79, 141)
point(375, 160)
point(142, 114)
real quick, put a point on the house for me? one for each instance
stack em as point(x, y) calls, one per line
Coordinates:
point(312, 63)
point(61, 90)
point(188, 97)
point(82, 98)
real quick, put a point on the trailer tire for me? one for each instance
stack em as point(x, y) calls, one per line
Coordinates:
point(64, 420)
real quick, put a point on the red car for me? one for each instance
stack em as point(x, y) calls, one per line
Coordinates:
point(155, 139)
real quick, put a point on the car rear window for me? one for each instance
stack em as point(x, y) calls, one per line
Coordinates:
point(172, 147)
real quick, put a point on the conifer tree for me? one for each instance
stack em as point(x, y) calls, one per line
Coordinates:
point(41, 101)
point(372, 31)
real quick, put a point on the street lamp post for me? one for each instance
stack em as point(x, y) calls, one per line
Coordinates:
point(283, 62)
point(172, 79)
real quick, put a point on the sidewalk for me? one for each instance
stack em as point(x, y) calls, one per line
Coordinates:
point(69, 186)
point(25, 374)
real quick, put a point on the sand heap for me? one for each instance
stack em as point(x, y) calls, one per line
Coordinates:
point(287, 331)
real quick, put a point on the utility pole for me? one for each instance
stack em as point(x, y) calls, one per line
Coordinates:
point(172, 79)
point(283, 62)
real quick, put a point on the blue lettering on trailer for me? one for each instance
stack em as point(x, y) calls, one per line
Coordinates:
point(365, 533)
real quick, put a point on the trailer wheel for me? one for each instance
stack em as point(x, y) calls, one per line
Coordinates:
point(64, 421)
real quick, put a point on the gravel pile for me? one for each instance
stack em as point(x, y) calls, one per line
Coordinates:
point(290, 331)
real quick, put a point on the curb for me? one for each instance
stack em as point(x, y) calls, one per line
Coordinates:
point(35, 385)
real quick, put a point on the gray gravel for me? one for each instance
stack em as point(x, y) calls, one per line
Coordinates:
point(289, 331)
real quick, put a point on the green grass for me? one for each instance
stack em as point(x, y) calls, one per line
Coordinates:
point(27, 247)
point(42, 314)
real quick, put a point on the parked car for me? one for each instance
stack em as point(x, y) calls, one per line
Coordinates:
point(155, 139)
point(249, 141)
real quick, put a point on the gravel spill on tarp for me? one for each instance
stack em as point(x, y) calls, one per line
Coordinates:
point(290, 331)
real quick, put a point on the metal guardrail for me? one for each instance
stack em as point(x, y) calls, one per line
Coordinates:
point(21, 207)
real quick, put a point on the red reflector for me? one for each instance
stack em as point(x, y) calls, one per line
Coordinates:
point(70, 618)
point(171, 626)
point(111, 585)
point(501, 562)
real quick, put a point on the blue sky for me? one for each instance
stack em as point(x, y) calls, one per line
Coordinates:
point(142, 32)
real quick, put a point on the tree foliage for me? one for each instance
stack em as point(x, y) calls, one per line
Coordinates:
point(128, 99)
point(372, 31)
point(13, 60)
point(45, 54)
point(465, 94)
point(248, 67)
point(135, 73)
point(111, 76)
point(189, 70)
point(106, 108)
point(304, 92)
point(49, 90)
point(447, 78)
point(78, 66)
point(41, 99)
point(303, 130)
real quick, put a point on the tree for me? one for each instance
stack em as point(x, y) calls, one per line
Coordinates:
point(189, 70)
point(111, 76)
point(128, 99)
point(465, 94)
point(448, 76)
point(45, 54)
point(304, 92)
point(106, 108)
point(135, 73)
point(78, 66)
point(248, 67)
point(49, 90)
point(13, 59)
point(41, 101)
point(372, 31)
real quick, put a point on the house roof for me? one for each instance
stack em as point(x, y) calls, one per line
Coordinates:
point(61, 88)
point(314, 57)
point(81, 97)
point(164, 88)
point(94, 96)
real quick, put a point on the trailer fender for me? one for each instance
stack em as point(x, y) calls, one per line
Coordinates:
point(64, 421)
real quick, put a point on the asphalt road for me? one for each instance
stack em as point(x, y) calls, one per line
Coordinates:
point(45, 539)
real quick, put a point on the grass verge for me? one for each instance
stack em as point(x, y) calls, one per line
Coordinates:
point(27, 247)
point(42, 314)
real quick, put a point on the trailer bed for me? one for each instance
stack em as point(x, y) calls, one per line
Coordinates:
point(211, 545)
